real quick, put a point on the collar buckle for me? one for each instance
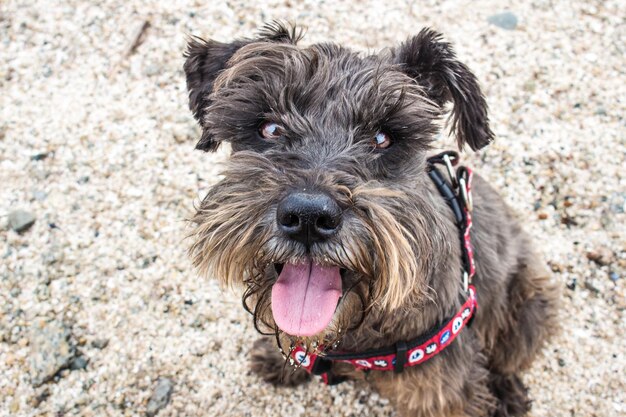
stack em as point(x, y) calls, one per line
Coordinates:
point(401, 350)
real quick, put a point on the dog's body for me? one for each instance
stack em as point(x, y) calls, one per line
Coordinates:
point(327, 217)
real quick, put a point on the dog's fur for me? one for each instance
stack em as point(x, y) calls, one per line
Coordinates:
point(398, 240)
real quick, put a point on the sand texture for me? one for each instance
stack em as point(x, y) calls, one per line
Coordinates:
point(101, 312)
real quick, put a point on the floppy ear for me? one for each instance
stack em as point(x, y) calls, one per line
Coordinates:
point(433, 64)
point(205, 59)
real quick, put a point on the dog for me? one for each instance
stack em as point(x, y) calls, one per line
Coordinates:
point(329, 218)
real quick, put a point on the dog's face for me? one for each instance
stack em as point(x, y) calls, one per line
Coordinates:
point(321, 212)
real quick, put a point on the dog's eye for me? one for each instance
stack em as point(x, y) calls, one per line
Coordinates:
point(271, 131)
point(382, 140)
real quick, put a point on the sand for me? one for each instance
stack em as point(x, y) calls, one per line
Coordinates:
point(96, 143)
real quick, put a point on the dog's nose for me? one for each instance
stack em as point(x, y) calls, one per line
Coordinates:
point(308, 217)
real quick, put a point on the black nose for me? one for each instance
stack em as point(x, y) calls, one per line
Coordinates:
point(308, 217)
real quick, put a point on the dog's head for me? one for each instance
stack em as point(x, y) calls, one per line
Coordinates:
point(321, 212)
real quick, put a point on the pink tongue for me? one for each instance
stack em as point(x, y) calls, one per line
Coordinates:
point(305, 297)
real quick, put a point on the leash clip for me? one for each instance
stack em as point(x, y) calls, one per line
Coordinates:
point(463, 177)
point(448, 163)
point(467, 198)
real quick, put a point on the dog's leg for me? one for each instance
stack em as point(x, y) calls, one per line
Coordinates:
point(532, 319)
point(512, 395)
point(267, 362)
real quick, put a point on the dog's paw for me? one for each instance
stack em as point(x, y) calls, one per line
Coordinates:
point(512, 395)
point(267, 362)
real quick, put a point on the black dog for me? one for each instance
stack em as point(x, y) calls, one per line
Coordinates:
point(331, 217)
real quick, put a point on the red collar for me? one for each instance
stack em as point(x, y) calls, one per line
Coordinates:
point(419, 350)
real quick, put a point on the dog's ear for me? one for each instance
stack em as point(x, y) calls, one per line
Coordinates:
point(205, 59)
point(433, 64)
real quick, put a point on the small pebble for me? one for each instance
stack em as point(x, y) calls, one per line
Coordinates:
point(556, 267)
point(39, 156)
point(39, 195)
point(618, 203)
point(601, 255)
point(571, 285)
point(505, 20)
point(100, 343)
point(152, 69)
point(160, 396)
point(21, 220)
point(591, 286)
point(78, 363)
point(51, 350)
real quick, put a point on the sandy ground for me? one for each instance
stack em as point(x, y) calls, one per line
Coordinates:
point(97, 145)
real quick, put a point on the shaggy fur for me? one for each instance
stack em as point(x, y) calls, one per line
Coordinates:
point(398, 243)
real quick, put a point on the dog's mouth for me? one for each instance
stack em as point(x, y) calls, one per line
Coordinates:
point(305, 296)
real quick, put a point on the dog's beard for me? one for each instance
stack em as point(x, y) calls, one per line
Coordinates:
point(237, 241)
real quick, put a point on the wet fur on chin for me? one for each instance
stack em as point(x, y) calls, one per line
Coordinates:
point(398, 241)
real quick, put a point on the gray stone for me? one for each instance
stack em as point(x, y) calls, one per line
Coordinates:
point(152, 69)
point(78, 363)
point(100, 343)
point(618, 203)
point(160, 396)
point(592, 287)
point(51, 350)
point(40, 195)
point(47, 71)
point(504, 20)
point(39, 156)
point(21, 220)
point(601, 111)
